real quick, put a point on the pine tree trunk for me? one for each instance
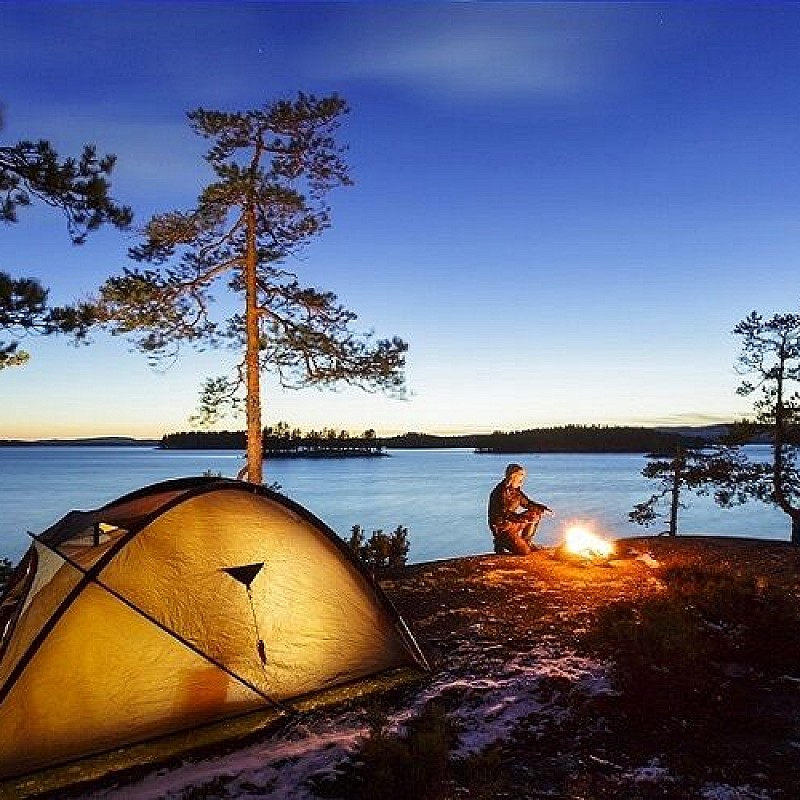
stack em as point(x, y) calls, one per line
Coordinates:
point(796, 528)
point(255, 444)
point(673, 511)
point(677, 469)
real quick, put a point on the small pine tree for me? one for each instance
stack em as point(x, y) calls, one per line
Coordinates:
point(770, 363)
point(398, 548)
point(381, 552)
point(378, 551)
point(687, 469)
point(357, 543)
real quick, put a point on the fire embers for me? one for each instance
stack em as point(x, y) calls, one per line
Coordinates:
point(581, 546)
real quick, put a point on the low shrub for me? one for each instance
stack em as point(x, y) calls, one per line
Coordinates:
point(748, 619)
point(485, 774)
point(670, 652)
point(658, 649)
point(411, 763)
point(381, 552)
point(6, 568)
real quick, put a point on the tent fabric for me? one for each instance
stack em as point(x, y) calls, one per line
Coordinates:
point(183, 603)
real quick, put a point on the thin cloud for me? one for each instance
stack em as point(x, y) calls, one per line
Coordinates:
point(479, 51)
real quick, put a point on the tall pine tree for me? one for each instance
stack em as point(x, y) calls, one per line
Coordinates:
point(274, 168)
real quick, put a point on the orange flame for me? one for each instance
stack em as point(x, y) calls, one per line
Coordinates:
point(582, 542)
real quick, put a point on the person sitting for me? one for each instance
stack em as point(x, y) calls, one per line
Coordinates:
point(513, 516)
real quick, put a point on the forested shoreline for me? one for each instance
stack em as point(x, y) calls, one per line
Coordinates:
point(283, 441)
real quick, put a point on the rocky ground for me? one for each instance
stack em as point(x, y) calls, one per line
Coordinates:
point(492, 618)
point(540, 708)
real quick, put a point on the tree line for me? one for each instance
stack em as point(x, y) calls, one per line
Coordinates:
point(585, 439)
point(564, 439)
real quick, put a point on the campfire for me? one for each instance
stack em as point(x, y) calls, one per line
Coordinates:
point(580, 544)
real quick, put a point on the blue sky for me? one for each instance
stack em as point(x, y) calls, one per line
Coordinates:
point(564, 208)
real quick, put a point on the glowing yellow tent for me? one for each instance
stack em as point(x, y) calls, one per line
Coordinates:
point(189, 601)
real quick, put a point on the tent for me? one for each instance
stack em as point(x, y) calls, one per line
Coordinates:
point(184, 603)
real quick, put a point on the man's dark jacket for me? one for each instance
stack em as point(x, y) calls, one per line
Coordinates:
point(504, 502)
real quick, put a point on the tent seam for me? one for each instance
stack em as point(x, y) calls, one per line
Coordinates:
point(175, 635)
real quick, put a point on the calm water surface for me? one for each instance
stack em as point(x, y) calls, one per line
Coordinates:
point(439, 495)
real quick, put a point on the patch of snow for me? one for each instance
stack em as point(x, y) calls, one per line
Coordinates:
point(275, 768)
point(489, 704)
point(652, 773)
point(722, 791)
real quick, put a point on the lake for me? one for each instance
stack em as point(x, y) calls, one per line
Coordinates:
point(439, 495)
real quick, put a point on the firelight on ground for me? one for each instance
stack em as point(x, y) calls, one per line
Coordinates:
point(581, 541)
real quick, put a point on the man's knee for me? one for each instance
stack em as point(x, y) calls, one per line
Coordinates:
point(519, 546)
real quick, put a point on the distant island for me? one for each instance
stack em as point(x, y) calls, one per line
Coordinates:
point(283, 442)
